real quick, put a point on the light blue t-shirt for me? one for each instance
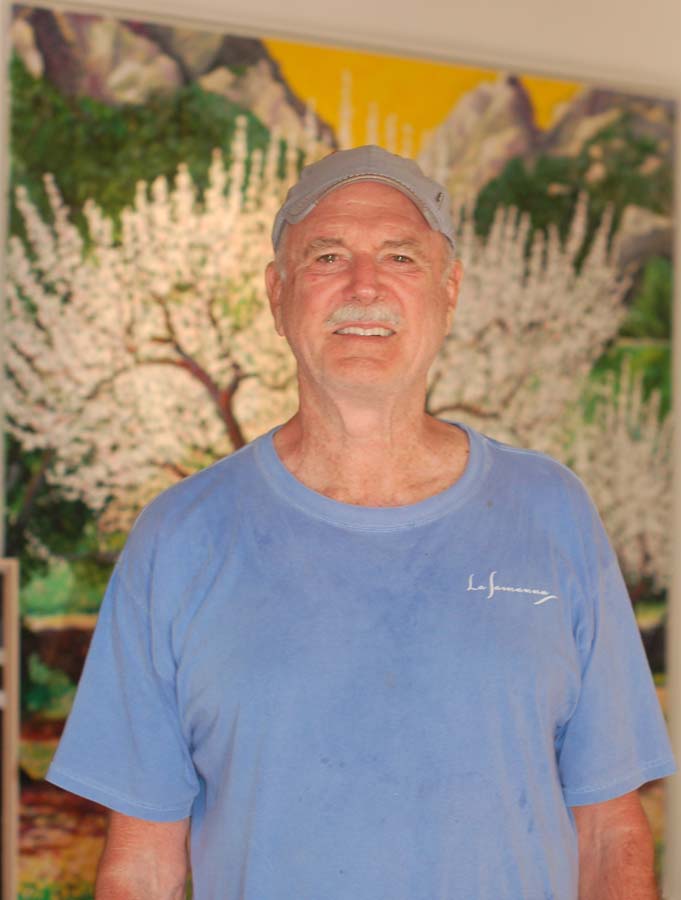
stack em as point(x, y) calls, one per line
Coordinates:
point(356, 703)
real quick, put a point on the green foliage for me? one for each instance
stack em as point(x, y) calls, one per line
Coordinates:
point(644, 343)
point(651, 361)
point(67, 892)
point(55, 521)
point(101, 151)
point(56, 892)
point(530, 189)
point(47, 691)
point(659, 859)
point(65, 588)
point(650, 315)
point(609, 169)
point(66, 528)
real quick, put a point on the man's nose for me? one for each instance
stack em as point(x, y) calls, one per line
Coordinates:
point(365, 277)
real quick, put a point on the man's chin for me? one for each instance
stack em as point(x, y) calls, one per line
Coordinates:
point(368, 377)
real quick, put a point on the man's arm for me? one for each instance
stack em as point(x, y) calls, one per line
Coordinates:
point(143, 860)
point(616, 852)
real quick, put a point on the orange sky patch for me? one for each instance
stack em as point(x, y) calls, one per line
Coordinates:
point(409, 97)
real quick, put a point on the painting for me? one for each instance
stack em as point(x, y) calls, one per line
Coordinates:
point(147, 163)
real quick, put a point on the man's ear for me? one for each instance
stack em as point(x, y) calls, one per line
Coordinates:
point(274, 285)
point(452, 288)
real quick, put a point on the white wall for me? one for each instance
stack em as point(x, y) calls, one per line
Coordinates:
point(624, 42)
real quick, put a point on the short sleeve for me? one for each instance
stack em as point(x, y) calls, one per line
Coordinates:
point(123, 744)
point(616, 738)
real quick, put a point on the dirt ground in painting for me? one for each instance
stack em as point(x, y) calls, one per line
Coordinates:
point(60, 839)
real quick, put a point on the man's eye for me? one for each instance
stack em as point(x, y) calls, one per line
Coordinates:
point(327, 258)
point(402, 258)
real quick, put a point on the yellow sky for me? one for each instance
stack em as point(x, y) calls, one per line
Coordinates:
point(412, 92)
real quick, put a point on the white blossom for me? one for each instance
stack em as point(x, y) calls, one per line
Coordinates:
point(528, 328)
point(146, 351)
point(624, 456)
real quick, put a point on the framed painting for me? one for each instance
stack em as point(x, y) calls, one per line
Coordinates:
point(147, 164)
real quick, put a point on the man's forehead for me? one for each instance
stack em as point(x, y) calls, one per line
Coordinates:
point(367, 194)
point(365, 206)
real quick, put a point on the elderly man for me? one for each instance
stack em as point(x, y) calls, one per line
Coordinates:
point(373, 655)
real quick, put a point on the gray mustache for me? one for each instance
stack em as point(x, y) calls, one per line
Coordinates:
point(353, 312)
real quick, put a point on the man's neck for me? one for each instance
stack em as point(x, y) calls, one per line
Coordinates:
point(373, 454)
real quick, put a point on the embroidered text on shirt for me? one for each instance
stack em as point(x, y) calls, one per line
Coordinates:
point(492, 588)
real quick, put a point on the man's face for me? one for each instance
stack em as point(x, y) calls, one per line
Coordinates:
point(367, 293)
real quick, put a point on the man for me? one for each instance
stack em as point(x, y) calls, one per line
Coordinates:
point(373, 655)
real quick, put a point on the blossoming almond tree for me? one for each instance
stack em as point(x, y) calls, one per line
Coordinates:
point(136, 358)
point(528, 328)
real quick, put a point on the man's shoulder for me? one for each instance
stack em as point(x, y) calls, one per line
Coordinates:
point(534, 475)
point(533, 463)
point(201, 499)
point(183, 533)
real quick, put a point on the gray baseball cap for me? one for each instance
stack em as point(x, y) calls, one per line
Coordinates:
point(369, 163)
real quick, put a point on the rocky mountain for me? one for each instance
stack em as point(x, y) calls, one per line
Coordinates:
point(91, 56)
point(603, 135)
point(490, 125)
point(241, 70)
point(630, 136)
point(119, 62)
point(595, 109)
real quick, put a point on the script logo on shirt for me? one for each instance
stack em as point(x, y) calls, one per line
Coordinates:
point(491, 588)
